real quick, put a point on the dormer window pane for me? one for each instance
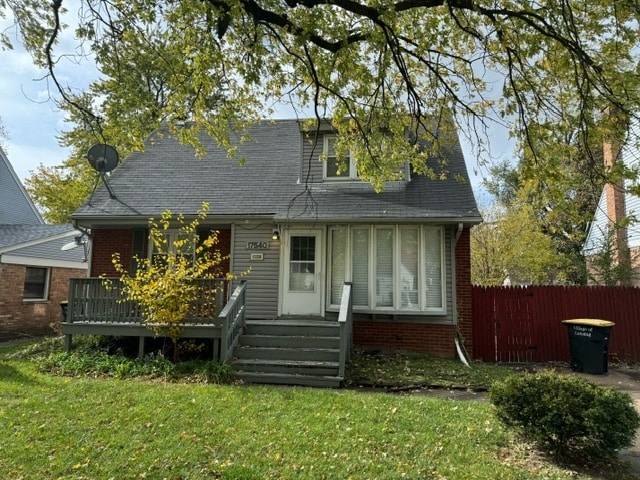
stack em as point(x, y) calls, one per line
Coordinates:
point(336, 167)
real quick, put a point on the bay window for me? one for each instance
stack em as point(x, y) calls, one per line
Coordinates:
point(391, 267)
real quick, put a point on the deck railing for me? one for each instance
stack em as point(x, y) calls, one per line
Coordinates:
point(99, 300)
point(345, 320)
point(232, 320)
point(98, 306)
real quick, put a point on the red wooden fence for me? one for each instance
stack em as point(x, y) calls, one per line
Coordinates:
point(523, 324)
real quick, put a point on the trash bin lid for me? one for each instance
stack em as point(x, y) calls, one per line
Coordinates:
point(589, 322)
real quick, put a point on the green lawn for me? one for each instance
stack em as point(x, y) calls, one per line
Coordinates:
point(101, 428)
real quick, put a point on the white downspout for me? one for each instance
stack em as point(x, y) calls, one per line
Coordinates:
point(454, 289)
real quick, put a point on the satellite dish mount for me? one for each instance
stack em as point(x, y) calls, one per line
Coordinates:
point(103, 158)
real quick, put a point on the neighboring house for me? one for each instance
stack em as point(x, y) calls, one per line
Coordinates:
point(34, 270)
point(303, 231)
point(615, 229)
point(16, 207)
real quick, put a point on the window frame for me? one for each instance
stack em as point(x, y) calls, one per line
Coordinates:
point(172, 235)
point(45, 284)
point(350, 175)
point(421, 282)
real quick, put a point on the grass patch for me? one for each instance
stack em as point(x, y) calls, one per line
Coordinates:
point(408, 369)
point(104, 427)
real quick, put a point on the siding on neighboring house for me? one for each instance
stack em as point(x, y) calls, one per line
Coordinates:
point(24, 318)
point(631, 157)
point(262, 279)
point(599, 230)
point(16, 208)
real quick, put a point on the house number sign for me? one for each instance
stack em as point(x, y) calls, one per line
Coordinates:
point(257, 245)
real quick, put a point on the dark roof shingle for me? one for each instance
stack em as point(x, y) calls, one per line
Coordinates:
point(169, 176)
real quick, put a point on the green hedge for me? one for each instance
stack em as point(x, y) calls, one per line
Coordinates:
point(566, 414)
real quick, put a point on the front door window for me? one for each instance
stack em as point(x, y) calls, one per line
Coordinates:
point(302, 264)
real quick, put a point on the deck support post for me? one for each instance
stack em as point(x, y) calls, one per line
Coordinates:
point(141, 347)
point(216, 348)
point(67, 343)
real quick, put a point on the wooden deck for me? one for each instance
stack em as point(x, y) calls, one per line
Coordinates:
point(97, 306)
point(294, 352)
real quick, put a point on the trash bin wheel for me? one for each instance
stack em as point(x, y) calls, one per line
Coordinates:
point(576, 365)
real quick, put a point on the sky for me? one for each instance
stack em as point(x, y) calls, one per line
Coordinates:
point(33, 122)
point(28, 113)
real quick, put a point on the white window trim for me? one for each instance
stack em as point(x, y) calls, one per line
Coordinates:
point(47, 282)
point(353, 171)
point(397, 291)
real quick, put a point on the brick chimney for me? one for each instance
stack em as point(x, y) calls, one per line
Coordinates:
point(616, 210)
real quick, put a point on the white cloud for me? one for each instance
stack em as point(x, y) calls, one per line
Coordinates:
point(27, 109)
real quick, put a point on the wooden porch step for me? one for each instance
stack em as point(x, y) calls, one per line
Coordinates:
point(299, 367)
point(284, 341)
point(287, 353)
point(291, 352)
point(293, 328)
point(291, 379)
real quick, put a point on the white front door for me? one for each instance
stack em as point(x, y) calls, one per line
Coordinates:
point(302, 277)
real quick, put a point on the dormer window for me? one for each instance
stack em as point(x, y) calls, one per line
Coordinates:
point(336, 168)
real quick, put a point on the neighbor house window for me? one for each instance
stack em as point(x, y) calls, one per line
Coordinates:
point(336, 167)
point(391, 268)
point(36, 283)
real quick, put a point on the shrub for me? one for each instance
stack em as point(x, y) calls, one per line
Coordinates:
point(566, 414)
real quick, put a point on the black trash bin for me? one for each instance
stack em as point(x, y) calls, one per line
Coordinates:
point(589, 344)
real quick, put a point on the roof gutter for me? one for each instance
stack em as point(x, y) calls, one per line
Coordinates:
point(82, 230)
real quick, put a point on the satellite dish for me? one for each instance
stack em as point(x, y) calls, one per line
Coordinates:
point(102, 158)
point(77, 241)
point(69, 246)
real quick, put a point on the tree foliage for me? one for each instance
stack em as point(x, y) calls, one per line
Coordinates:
point(377, 69)
point(163, 285)
point(562, 183)
point(4, 135)
point(510, 245)
point(59, 190)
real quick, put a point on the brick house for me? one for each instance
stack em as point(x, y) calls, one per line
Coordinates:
point(34, 270)
point(304, 229)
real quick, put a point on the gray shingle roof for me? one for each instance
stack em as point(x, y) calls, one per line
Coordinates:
point(168, 176)
point(11, 235)
point(40, 241)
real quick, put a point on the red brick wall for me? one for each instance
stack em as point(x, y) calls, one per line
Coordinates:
point(107, 242)
point(463, 283)
point(104, 243)
point(224, 246)
point(436, 339)
point(20, 318)
point(420, 337)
